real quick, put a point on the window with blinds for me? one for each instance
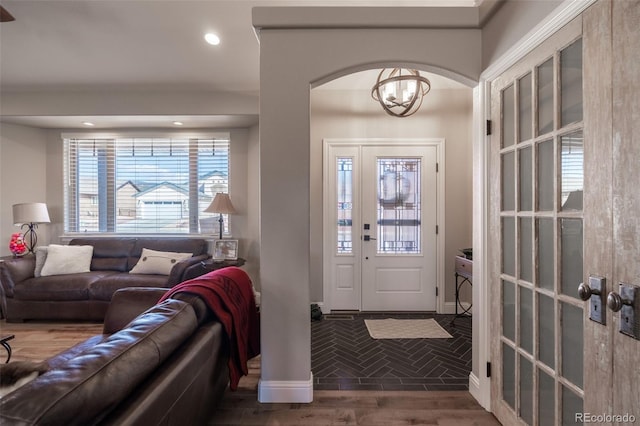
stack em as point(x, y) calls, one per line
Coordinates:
point(143, 185)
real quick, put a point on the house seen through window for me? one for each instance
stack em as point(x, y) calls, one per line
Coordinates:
point(143, 185)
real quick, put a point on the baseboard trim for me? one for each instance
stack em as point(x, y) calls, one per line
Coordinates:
point(483, 396)
point(286, 391)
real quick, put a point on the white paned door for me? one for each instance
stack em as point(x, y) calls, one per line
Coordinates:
point(381, 203)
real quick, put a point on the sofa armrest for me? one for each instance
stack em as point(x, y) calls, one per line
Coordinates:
point(127, 303)
point(15, 270)
point(177, 274)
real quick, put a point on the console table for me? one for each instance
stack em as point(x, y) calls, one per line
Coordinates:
point(464, 275)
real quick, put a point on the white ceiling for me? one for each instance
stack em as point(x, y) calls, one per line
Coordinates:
point(143, 45)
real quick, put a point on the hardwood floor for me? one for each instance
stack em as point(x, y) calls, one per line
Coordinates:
point(37, 341)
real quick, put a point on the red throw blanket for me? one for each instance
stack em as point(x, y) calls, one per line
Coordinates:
point(229, 294)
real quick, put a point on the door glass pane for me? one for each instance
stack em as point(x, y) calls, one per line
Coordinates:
point(571, 171)
point(508, 122)
point(546, 330)
point(399, 209)
point(509, 310)
point(344, 202)
point(545, 174)
point(545, 254)
point(526, 248)
point(545, 97)
point(526, 390)
point(571, 260)
point(525, 194)
point(508, 245)
point(571, 405)
point(546, 399)
point(508, 182)
point(509, 375)
point(571, 83)
point(571, 320)
point(526, 319)
point(525, 116)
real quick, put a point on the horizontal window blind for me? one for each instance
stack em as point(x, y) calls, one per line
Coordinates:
point(144, 185)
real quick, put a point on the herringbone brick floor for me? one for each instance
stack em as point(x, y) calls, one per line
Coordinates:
point(345, 357)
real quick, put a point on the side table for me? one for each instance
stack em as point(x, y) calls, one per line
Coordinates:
point(463, 274)
point(210, 265)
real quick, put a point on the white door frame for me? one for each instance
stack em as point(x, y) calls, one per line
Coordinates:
point(438, 143)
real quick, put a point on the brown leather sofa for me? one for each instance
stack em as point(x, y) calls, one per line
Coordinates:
point(86, 296)
point(168, 366)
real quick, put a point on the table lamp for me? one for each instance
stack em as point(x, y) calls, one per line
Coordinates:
point(221, 204)
point(30, 215)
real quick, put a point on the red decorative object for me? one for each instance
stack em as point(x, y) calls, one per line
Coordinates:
point(17, 245)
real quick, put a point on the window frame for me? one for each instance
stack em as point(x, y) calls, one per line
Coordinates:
point(194, 218)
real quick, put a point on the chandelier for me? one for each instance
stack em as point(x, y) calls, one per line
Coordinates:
point(400, 91)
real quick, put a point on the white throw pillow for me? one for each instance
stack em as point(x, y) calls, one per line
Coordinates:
point(157, 262)
point(41, 257)
point(67, 260)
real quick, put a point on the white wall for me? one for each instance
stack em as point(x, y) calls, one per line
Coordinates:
point(23, 177)
point(512, 22)
point(252, 232)
point(445, 113)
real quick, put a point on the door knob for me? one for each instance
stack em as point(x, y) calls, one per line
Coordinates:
point(585, 292)
point(615, 302)
point(594, 293)
point(627, 302)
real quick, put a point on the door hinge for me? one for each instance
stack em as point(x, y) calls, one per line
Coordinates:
point(437, 229)
point(488, 369)
point(436, 291)
point(488, 127)
point(437, 168)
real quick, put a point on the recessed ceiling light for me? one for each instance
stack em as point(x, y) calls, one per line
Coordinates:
point(177, 123)
point(88, 123)
point(212, 38)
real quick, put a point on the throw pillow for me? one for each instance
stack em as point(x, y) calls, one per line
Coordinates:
point(41, 257)
point(157, 262)
point(67, 260)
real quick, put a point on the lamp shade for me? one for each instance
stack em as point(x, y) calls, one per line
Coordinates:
point(30, 213)
point(221, 204)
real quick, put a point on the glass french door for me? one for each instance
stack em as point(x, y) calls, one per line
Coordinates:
point(536, 210)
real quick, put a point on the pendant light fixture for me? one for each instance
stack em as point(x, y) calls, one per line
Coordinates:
point(400, 91)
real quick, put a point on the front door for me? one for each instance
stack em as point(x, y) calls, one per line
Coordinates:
point(399, 228)
point(381, 207)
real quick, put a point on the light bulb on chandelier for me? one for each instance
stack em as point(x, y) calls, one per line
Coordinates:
point(400, 91)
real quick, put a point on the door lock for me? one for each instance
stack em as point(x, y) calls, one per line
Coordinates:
point(594, 293)
point(627, 302)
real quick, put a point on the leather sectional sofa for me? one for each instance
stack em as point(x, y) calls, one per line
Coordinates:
point(86, 295)
point(166, 366)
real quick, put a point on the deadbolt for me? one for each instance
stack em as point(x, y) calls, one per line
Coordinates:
point(627, 302)
point(594, 293)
